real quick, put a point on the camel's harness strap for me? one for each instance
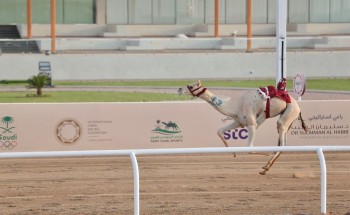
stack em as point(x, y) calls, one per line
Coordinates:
point(194, 90)
point(265, 95)
point(269, 92)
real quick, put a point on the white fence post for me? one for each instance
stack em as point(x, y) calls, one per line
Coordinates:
point(323, 180)
point(135, 168)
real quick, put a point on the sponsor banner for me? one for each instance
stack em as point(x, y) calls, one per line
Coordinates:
point(328, 123)
point(104, 126)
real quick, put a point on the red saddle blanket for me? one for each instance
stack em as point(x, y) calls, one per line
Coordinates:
point(270, 92)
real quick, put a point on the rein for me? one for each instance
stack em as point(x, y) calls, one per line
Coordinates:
point(192, 91)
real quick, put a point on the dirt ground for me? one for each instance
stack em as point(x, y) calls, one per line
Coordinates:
point(181, 184)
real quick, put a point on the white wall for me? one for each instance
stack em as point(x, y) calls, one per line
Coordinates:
point(97, 126)
point(175, 65)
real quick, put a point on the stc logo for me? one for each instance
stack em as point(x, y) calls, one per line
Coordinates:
point(236, 134)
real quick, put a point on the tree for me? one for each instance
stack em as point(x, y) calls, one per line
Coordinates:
point(37, 82)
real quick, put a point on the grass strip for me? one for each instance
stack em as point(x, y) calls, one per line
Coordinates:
point(314, 84)
point(74, 96)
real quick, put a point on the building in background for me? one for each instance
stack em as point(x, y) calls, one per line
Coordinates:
point(172, 39)
point(67, 11)
point(171, 13)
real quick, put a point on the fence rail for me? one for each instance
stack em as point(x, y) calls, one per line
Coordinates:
point(132, 153)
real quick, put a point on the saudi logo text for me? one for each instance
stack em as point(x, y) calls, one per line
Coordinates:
point(8, 137)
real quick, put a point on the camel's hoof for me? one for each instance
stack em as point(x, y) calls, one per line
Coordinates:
point(266, 168)
point(234, 155)
point(262, 172)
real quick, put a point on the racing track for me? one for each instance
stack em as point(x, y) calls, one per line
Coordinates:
point(179, 184)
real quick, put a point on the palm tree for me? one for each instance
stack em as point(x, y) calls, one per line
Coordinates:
point(38, 82)
point(7, 120)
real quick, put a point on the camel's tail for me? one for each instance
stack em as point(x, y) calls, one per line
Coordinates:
point(302, 122)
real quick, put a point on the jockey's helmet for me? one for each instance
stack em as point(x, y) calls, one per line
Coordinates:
point(282, 84)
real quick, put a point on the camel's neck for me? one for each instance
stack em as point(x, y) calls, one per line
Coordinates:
point(226, 107)
point(207, 96)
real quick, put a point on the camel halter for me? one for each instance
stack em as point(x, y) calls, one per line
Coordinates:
point(192, 91)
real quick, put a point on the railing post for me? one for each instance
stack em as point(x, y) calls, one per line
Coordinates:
point(53, 26)
point(29, 19)
point(249, 25)
point(135, 168)
point(323, 181)
point(216, 21)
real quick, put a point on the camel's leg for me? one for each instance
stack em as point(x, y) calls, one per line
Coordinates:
point(283, 124)
point(222, 130)
point(251, 134)
point(281, 142)
point(260, 119)
point(230, 126)
point(274, 158)
point(251, 138)
point(270, 163)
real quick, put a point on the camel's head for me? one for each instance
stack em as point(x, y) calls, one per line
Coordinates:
point(194, 89)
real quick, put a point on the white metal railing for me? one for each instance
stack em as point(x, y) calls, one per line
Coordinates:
point(133, 153)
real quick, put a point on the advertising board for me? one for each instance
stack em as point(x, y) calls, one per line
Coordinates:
point(104, 126)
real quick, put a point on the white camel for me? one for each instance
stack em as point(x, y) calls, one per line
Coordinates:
point(250, 111)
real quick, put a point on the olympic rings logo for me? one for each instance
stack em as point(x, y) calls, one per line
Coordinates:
point(8, 145)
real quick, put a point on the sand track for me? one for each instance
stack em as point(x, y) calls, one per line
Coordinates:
point(181, 184)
